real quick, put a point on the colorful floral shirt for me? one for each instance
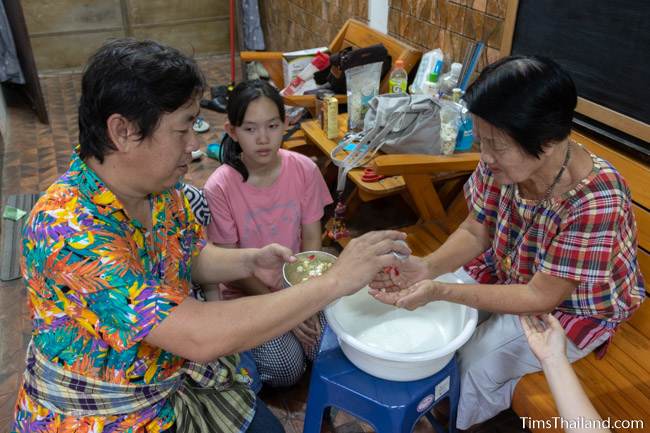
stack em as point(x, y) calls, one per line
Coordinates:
point(98, 282)
point(587, 235)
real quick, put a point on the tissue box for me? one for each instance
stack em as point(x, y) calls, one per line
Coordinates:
point(295, 61)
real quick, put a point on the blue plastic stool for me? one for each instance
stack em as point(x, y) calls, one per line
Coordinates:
point(390, 407)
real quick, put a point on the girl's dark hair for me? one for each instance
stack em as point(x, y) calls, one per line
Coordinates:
point(140, 80)
point(531, 98)
point(240, 98)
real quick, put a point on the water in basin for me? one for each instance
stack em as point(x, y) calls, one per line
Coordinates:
point(396, 330)
point(404, 335)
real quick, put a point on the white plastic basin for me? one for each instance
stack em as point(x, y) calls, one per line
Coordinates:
point(397, 344)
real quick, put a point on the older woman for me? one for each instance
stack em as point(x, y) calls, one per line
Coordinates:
point(550, 228)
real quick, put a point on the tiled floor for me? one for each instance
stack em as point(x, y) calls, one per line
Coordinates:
point(34, 155)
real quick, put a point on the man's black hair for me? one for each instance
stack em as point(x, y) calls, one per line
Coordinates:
point(140, 80)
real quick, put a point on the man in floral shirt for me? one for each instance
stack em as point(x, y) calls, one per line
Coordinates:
point(108, 255)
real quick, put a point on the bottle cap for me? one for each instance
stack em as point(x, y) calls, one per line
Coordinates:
point(321, 61)
point(435, 71)
point(399, 63)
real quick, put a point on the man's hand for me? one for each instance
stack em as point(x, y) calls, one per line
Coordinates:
point(266, 264)
point(364, 257)
point(412, 297)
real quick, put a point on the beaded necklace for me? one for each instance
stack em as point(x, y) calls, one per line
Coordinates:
point(506, 262)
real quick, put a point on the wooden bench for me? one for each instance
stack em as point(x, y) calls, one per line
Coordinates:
point(366, 191)
point(433, 187)
point(353, 34)
point(434, 184)
point(619, 384)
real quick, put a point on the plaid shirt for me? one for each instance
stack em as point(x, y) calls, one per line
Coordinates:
point(98, 282)
point(586, 235)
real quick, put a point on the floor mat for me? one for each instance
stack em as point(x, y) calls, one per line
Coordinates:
point(11, 234)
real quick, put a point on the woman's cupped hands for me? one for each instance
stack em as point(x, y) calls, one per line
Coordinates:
point(406, 285)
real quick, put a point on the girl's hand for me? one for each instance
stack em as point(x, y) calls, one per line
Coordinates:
point(308, 332)
point(314, 324)
point(266, 264)
point(405, 274)
point(415, 296)
point(545, 337)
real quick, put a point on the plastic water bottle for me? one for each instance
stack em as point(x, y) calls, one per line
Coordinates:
point(465, 138)
point(431, 85)
point(398, 78)
point(450, 79)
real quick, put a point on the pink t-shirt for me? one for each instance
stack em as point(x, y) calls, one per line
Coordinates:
point(252, 217)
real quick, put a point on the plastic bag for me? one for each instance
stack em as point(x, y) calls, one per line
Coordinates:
point(362, 85)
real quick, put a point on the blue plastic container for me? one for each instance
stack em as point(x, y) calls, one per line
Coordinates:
point(465, 137)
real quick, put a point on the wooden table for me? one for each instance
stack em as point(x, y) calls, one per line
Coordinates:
point(366, 191)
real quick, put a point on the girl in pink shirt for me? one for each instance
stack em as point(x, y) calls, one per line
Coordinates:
point(263, 194)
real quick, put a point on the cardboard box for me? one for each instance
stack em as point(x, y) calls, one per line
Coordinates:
point(295, 61)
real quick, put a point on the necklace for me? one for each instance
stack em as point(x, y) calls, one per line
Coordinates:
point(506, 262)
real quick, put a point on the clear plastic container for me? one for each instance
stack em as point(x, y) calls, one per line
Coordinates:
point(449, 119)
point(427, 63)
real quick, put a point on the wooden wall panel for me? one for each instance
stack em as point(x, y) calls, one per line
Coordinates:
point(55, 16)
point(68, 51)
point(65, 32)
point(427, 24)
point(191, 38)
point(166, 11)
